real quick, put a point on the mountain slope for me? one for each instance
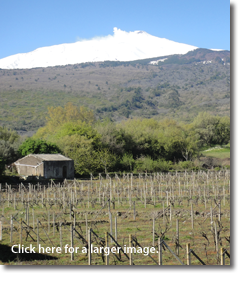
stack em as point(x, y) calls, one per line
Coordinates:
point(179, 88)
point(122, 46)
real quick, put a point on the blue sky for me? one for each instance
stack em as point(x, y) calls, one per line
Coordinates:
point(28, 24)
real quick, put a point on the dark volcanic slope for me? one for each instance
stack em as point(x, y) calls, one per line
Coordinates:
point(179, 88)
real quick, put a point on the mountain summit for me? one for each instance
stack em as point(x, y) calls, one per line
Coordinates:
point(121, 46)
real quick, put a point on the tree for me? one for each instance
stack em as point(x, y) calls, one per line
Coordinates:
point(128, 161)
point(58, 116)
point(81, 150)
point(204, 125)
point(211, 129)
point(79, 141)
point(222, 131)
point(106, 159)
point(9, 143)
point(111, 137)
point(8, 135)
point(37, 146)
point(139, 137)
point(189, 148)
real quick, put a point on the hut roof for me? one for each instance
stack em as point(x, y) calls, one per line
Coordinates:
point(34, 159)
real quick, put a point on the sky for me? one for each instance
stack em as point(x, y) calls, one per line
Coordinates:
point(27, 25)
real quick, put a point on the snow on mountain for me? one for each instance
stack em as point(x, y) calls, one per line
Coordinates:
point(155, 62)
point(121, 46)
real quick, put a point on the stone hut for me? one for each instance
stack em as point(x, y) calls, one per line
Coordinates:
point(46, 166)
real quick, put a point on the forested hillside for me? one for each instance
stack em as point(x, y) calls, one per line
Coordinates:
point(178, 88)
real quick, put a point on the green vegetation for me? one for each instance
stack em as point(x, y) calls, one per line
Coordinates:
point(137, 116)
point(180, 88)
point(212, 129)
point(218, 152)
point(138, 145)
point(9, 142)
point(37, 146)
point(134, 145)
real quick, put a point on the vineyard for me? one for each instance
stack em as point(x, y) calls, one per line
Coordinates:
point(178, 218)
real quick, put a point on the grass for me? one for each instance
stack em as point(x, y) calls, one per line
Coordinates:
point(217, 152)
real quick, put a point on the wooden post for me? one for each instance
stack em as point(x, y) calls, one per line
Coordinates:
point(211, 217)
point(48, 191)
point(100, 188)
point(88, 196)
point(26, 213)
point(11, 228)
point(159, 251)
point(170, 213)
point(86, 220)
point(37, 232)
point(63, 200)
point(224, 196)
point(33, 218)
point(48, 222)
point(130, 252)
point(177, 236)
point(22, 196)
point(110, 195)
point(188, 254)
point(21, 232)
point(154, 195)
point(14, 201)
point(109, 205)
point(219, 218)
point(192, 215)
point(111, 229)
point(163, 215)
point(28, 216)
point(216, 238)
point(222, 256)
point(116, 228)
point(70, 209)
point(89, 247)
point(153, 231)
point(205, 201)
point(60, 229)
point(72, 241)
point(107, 245)
point(134, 211)
point(53, 223)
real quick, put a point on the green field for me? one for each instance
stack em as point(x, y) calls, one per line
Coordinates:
point(217, 152)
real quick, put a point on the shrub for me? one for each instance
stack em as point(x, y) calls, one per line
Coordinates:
point(37, 146)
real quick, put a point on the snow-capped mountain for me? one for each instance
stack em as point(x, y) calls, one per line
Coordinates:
point(121, 46)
